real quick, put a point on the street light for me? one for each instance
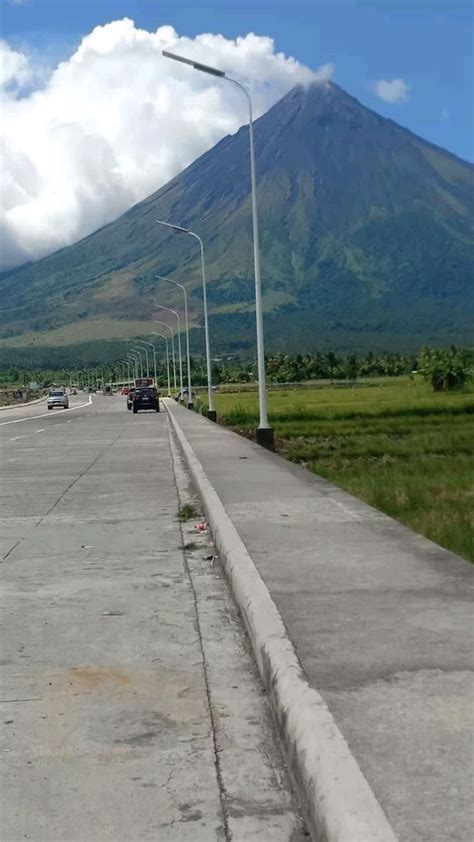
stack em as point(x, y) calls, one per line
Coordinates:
point(140, 353)
point(127, 363)
point(211, 412)
point(173, 358)
point(175, 283)
point(157, 333)
point(175, 313)
point(264, 431)
point(147, 364)
point(135, 357)
point(154, 355)
point(124, 372)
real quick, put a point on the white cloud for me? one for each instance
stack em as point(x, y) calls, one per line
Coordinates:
point(14, 66)
point(116, 121)
point(395, 90)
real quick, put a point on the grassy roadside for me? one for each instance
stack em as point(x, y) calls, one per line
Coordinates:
point(394, 444)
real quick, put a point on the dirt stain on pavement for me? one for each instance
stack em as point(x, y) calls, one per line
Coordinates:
point(92, 678)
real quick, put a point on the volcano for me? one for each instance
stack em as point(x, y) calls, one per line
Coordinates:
point(366, 242)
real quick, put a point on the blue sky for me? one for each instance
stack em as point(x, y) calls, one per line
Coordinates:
point(425, 43)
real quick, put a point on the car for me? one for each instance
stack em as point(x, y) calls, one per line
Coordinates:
point(130, 397)
point(58, 397)
point(183, 396)
point(125, 390)
point(147, 397)
point(107, 390)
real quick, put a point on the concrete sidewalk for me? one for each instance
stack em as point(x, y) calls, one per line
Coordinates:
point(381, 619)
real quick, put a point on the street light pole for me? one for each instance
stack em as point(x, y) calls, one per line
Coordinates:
point(140, 357)
point(264, 432)
point(127, 363)
point(175, 283)
point(135, 358)
point(173, 358)
point(175, 313)
point(211, 412)
point(157, 333)
point(154, 355)
point(147, 364)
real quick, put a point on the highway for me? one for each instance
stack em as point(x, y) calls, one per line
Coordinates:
point(131, 707)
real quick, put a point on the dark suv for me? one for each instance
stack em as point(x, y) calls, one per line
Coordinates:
point(146, 397)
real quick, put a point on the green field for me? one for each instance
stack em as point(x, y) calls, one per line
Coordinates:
point(393, 443)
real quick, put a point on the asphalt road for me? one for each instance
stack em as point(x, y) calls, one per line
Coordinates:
point(131, 708)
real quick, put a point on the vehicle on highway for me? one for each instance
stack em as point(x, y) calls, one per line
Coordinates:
point(147, 397)
point(58, 397)
point(183, 396)
point(125, 390)
point(130, 397)
point(107, 390)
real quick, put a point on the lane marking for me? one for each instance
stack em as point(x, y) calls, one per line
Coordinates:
point(48, 414)
point(27, 435)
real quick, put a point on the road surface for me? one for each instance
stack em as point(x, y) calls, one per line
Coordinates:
point(131, 708)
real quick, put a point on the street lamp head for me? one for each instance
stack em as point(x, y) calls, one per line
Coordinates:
point(196, 65)
point(174, 227)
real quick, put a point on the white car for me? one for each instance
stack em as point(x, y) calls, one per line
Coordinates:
point(58, 397)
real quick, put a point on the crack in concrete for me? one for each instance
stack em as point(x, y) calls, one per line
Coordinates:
point(76, 480)
point(11, 550)
point(217, 762)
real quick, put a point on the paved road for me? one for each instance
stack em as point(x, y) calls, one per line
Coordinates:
point(381, 619)
point(131, 709)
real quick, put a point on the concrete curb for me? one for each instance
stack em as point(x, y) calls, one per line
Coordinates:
point(19, 405)
point(338, 801)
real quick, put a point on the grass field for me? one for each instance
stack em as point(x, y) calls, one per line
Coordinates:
point(393, 443)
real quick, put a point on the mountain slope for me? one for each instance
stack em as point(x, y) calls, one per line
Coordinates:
point(366, 239)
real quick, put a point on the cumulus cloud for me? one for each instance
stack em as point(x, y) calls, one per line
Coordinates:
point(14, 66)
point(395, 90)
point(116, 121)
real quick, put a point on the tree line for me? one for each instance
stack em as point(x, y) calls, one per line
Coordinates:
point(443, 368)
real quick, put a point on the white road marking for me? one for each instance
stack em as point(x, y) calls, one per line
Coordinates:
point(26, 436)
point(48, 414)
point(42, 430)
